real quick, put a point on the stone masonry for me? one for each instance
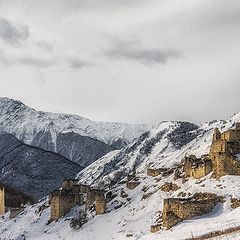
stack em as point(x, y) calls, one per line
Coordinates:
point(225, 146)
point(222, 158)
point(71, 194)
point(61, 203)
point(197, 167)
point(96, 196)
point(2, 201)
point(151, 171)
point(100, 203)
point(176, 210)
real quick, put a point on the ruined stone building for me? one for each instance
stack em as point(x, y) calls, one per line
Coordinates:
point(71, 194)
point(96, 196)
point(197, 167)
point(176, 210)
point(222, 158)
point(14, 212)
point(100, 203)
point(2, 200)
point(153, 172)
point(225, 146)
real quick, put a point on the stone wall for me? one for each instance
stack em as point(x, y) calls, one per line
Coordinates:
point(100, 204)
point(131, 185)
point(96, 196)
point(155, 228)
point(176, 210)
point(69, 183)
point(197, 167)
point(235, 202)
point(73, 194)
point(2, 200)
point(169, 186)
point(61, 204)
point(14, 212)
point(223, 152)
point(153, 172)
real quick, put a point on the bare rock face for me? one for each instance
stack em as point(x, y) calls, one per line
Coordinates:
point(81, 149)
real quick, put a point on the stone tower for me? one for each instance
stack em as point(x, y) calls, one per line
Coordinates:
point(100, 203)
point(238, 126)
point(216, 134)
point(2, 201)
point(223, 152)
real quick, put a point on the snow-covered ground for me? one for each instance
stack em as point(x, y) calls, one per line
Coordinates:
point(131, 217)
point(162, 153)
point(134, 218)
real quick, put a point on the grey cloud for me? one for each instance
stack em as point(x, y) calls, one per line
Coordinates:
point(25, 60)
point(34, 61)
point(45, 45)
point(76, 63)
point(12, 33)
point(134, 51)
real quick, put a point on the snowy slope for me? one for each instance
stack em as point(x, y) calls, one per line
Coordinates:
point(26, 122)
point(132, 217)
point(164, 146)
point(31, 169)
point(65, 133)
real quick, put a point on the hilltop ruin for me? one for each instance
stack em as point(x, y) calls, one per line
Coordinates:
point(176, 210)
point(222, 158)
point(72, 194)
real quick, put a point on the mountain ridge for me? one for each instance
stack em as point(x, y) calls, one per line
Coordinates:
point(132, 212)
point(48, 130)
point(32, 169)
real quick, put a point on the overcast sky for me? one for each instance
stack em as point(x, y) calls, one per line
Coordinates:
point(137, 61)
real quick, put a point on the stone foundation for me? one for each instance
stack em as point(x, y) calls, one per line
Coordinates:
point(235, 203)
point(153, 172)
point(169, 186)
point(132, 185)
point(14, 212)
point(155, 228)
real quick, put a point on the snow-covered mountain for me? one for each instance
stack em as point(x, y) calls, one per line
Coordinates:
point(132, 212)
point(162, 147)
point(31, 169)
point(77, 138)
